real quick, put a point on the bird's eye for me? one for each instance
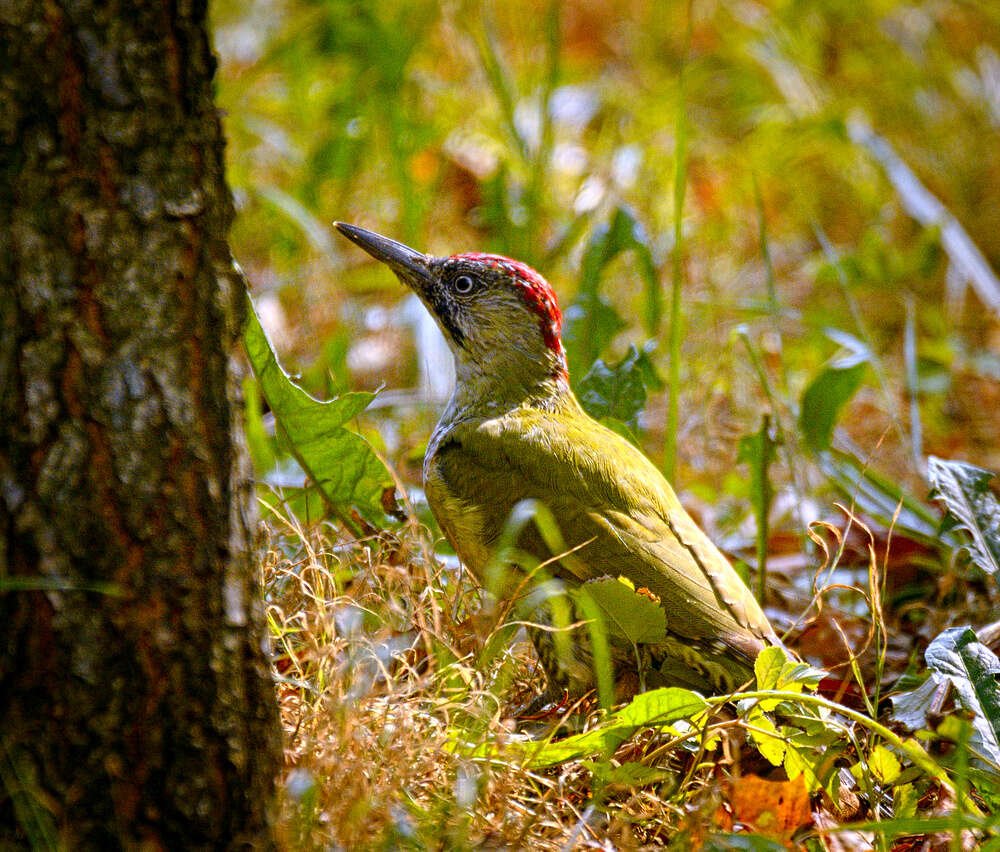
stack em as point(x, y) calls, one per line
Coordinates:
point(463, 284)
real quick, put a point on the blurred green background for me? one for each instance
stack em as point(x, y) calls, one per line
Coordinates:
point(762, 160)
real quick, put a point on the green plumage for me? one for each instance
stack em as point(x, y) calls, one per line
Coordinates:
point(608, 499)
point(514, 431)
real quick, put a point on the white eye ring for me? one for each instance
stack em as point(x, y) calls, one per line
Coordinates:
point(463, 284)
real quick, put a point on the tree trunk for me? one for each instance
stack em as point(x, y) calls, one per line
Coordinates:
point(136, 705)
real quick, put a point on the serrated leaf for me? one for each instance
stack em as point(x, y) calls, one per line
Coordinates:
point(965, 491)
point(657, 707)
point(822, 401)
point(775, 670)
point(884, 764)
point(767, 666)
point(797, 762)
point(618, 390)
point(797, 676)
point(662, 706)
point(629, 614)
point(972, 669)
point(340, 462)
point(765, 736)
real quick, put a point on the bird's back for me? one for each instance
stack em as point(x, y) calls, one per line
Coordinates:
point(615, 509)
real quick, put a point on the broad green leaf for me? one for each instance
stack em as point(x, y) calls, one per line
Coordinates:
point(798, 761)
point(965, 491)
point(884, 764)
point(765, 736)
point(653, 708)
point(972, 668)
point(767, 667)
point(662, 706)
point(618, 391)
point(629, 614)
point(590, 323)
point(260, 444)
point(797, 676)
point(910, 708)
point(823, 399)
point(623, 233)
point(601, 740)
point(340, 462)
point(629, 774)
point(774, 670)
point(905, 798)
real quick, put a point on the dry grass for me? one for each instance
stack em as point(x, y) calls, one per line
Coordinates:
point(399, 703)
point(385, 693)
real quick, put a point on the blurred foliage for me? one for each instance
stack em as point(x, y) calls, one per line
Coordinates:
point(548, 131)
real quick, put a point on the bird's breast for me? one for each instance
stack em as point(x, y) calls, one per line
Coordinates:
point(460, 518)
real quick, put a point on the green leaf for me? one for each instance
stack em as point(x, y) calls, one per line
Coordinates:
point(965, 491)
point(602, 740)
point(765, 736)
point(653, 708)
point(662, 706)
point(618, 391)
point(629, 614)
point(884, 764)
point(624, 232)
point(798, 762)
point(910, 708)
point(629, 774)
point(775, 670)
point(260, 444)
point(767, 667)
point(341, 463)
point(956, 655)
point(823, 399)
point(905, 798)
point(589, 324)
point(758, 450)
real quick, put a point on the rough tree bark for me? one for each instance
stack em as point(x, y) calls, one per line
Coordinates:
point(136, 707)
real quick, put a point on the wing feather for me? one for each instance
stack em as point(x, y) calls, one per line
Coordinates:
point(613, 499)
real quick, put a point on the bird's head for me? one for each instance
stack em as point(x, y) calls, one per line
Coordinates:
point(500, 317)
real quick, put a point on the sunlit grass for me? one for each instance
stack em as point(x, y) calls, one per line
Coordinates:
point(396, 735)
point(379, 748)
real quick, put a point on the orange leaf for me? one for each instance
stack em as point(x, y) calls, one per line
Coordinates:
point(776, 809)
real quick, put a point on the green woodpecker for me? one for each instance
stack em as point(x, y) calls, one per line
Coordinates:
point(514, 431)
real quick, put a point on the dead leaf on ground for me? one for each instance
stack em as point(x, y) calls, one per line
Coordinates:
point(775, 809)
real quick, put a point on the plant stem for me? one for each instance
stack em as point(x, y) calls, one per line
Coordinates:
point(910, 748)
point(677, 279)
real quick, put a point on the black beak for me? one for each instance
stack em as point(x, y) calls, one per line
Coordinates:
point(410, 265)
